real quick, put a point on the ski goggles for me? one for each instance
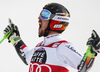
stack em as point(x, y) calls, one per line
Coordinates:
point(46, 15)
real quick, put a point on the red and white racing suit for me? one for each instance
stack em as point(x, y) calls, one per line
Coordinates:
point(54, 54)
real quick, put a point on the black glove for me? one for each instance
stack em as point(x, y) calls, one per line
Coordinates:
point(14, 29)
point(94, 42)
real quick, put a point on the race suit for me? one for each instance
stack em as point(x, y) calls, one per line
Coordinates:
point(53, 54)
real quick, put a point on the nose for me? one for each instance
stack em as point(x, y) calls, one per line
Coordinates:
point(39, 18)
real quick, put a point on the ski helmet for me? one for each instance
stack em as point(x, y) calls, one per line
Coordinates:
point(58, 17)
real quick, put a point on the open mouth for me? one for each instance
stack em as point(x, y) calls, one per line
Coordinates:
point(39, 26)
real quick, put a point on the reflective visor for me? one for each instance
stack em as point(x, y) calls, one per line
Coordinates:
point(45, 14)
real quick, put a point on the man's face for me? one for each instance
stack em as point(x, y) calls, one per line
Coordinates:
point(42, 26)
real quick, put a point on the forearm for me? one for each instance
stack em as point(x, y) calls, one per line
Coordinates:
point(12, 33)
point(93, 48)
point(19, 45)
point(87, 60)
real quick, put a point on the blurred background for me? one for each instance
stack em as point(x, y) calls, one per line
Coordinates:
point(85, 16)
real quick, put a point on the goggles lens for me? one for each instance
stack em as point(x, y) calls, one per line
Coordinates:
point(45, 15)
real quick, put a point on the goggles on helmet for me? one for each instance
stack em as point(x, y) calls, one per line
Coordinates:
point(46, 15)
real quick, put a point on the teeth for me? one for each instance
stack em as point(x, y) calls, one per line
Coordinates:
point(39, 22)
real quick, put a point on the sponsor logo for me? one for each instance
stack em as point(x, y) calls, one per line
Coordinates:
point(39, 67)
point(61, 18)
point(71, 48)
point(81, 66)
point(61, 13)
point(90, 63)
point(58, 26)
point(41, 49)
point(39, 55)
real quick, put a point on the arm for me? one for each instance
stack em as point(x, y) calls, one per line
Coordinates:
point(89, 57)
point(15, 39)
point(69, 55)
point(87, 60)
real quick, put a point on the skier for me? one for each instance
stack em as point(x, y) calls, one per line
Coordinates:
point(53, 54)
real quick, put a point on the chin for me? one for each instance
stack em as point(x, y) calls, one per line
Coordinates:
point(40, 35)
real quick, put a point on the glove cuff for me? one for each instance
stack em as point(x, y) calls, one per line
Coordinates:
point(90, 53)
point(15, 40)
